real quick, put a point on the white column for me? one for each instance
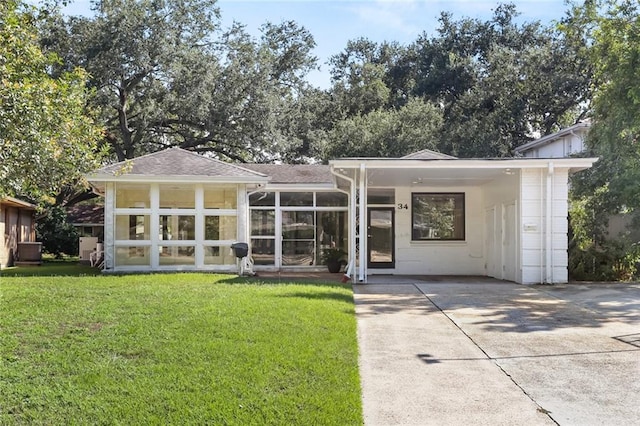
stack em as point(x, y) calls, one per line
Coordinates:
point(154, 198)
point(109, 226)
point(242, 212)
point(278, 234)
point(199, 249)
point(362, 224)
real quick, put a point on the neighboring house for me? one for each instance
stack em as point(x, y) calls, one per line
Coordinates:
point(17, 225)
point(565, 143)
point(88, 219)
point(427, 214)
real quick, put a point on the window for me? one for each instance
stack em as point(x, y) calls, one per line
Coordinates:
point(177, 227)
point(177, 197)
point(298, 238)
point(132, 196)
point(220, 227)
point(437, 216)
point(307, 223)
point(296, 198)
point(381, 196)
point(220, 198)
point(133, 227)
point(262, 199)
point(331, 199)
point(132, 256)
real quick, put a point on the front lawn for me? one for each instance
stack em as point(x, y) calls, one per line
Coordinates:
point(176, 349)
point(51, 268)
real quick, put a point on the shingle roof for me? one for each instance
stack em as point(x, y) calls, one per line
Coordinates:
point(294, 173)
point(177, 162)
point(86, 214)
point(427, 154)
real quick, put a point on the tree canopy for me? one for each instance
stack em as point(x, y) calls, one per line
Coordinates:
point(611, 31)
point(498, 84)
point(47, 140)
point(166, 74)
point(495, 84)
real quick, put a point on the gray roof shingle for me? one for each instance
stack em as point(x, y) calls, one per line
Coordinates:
point(86, 213)
point(177, 162)
point(294, 173)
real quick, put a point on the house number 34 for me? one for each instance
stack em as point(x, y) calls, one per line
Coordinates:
point(403, 206)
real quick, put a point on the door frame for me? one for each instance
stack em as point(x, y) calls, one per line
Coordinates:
point(380, 265)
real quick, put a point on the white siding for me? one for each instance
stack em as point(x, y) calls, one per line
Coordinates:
point(532, 248)
point(498, 195)
point(535, 234)
point(562, 147)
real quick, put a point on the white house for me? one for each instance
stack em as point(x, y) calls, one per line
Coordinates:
point(565, 143)
point(426, 213)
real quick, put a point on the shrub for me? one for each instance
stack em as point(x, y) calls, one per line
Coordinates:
point(58, 237)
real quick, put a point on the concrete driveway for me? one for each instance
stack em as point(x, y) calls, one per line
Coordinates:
point(481, 351)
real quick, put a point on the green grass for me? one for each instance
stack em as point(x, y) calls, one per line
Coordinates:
point(176, 349)
point(51, 268)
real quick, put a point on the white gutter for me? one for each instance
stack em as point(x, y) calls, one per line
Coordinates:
point(549, 227)
point(177, 179)
point(352, 221)
point(362, 225)
point(574, 164)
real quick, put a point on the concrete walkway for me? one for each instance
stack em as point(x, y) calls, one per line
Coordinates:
point(480, 351)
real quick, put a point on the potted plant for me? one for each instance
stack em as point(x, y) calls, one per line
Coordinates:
point(333, 258)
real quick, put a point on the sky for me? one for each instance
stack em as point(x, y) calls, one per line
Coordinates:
point(333, 23)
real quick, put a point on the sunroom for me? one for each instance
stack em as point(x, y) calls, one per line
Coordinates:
point(173, 210)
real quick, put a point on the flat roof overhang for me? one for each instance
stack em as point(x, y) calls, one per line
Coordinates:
point(450, 172)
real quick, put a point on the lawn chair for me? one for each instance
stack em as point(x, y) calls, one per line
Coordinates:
point(96, 259)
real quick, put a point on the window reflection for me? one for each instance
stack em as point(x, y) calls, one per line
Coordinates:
point(296, 198)
point(263, 222)
point(174, 227)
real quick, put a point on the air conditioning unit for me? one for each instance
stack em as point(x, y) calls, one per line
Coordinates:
point(87, 246)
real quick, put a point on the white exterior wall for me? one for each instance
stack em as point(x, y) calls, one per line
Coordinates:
point(500, 259)
point(565, 146)
point(544, 226)
point(438, 257)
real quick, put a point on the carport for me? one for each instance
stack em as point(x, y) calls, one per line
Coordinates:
point(456, 350)
point(432, 214)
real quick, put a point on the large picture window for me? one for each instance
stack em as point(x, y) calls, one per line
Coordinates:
point(437, 216)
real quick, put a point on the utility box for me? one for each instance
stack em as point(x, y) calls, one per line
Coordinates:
point(29, 253)
point(87, 246)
